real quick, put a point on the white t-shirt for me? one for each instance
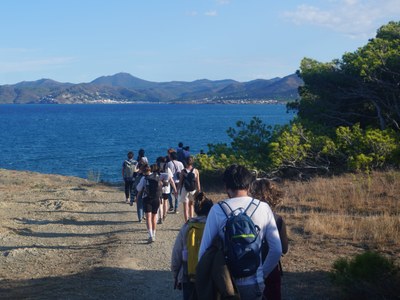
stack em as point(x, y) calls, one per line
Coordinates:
point(167, 175)
point(263, 217)
point(175, 166)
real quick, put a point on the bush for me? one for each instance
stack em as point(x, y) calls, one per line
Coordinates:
point(367, 276)
point(249, 147)
point(366, 149)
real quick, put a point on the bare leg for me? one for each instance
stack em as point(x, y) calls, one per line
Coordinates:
point(149, 223)
point(165, 208)
point(191, 209)
point(161, 211)
point(154, 224)
point(186, 210)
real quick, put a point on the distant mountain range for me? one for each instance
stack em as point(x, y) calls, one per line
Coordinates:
point(125, 88)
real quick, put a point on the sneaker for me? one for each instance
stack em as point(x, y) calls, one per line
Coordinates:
point(159, 221)
point(153, 239)
point(144, 218)
point(150, 240)
point(176, 212)
point(130, 203)
point(171, 209)
point(140, 221)
point(126, 200)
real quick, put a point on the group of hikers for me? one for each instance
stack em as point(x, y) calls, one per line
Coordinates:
point(230, 249)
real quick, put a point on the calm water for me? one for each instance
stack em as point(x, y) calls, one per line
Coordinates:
point(77, 139)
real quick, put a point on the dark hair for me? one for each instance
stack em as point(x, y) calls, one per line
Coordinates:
point(237, 177)
point(161, 160)
point(189, 161)
point(145, 168)
point(141, 153)
point(155, 168)
point(130, 154)
point(202, 204)
point(174, 155)
point(180, 145)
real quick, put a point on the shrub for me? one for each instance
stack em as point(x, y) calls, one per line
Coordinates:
point(366, 149)
point(369, 275)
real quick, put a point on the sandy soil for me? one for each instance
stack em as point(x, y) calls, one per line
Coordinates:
point(67, 238)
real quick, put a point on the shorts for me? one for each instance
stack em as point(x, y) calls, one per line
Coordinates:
point(151, 205)
point(185, 196)
point(164, 196)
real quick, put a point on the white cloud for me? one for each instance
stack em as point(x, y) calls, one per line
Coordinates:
point(211, 13)
point(223, 2)
point(356, 18)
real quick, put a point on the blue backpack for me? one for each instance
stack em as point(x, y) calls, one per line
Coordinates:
point(242, 242)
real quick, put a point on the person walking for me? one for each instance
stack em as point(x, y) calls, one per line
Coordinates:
point(266, 191)
point(176, 167)
point(142, 159)
point(150, 188)
point(168, 182)
point(189, 184)
point(237, 180)
point(180, 266)
point(129, 171)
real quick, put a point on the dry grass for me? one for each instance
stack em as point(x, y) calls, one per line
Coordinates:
point(363, 210)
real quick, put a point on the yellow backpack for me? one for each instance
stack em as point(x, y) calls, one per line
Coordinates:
point(193, 241)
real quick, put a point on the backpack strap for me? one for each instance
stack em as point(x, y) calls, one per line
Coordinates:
point(254, 208)
point(225, 206)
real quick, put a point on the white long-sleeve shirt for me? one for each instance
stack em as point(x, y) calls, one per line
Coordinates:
point(263, 217)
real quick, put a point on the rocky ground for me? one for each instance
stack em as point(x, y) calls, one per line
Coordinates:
point(67, 238)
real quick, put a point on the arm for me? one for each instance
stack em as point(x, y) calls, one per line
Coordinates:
point(171, 181)
point(140, 187)
point(274, 243)
point(176, 257)
point(198, 180)
point(181, 176)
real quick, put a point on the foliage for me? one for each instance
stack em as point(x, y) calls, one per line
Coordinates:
point(249, 147)
point(367, 276)
point(297, 148)
point(217, 162)
point(366, 149)
point(348, 118)
point(363, 87)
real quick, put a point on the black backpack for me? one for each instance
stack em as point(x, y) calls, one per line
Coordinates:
point(153, 187)
point(242, 242)
point(189, 181)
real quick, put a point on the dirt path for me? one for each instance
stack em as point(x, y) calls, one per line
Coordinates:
point(60, 237)
point(65, 238)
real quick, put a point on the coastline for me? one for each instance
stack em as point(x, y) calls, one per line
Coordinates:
point(177, 102)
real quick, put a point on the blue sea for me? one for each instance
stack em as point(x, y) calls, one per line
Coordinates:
point(82, 140)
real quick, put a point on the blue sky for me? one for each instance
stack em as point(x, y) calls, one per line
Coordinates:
point(166, 40)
